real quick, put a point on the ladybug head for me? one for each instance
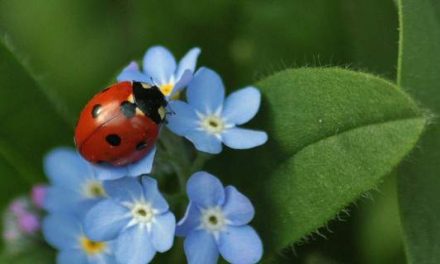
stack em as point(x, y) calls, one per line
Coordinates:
point(150, 100)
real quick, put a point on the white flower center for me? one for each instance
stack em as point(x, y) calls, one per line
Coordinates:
point(93, 189)
point(142, 213)
point(213, 219)
point(213, 124)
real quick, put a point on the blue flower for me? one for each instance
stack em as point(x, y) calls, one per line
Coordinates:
point(143, 166)
point(216, 221)
point(161, 69)
point(136, 215)
point(77, 185)
point(74, 185)
point(207, 119)
point(64, 232)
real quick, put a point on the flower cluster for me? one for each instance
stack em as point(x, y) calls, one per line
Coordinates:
point(105, 214)
point(21, 220)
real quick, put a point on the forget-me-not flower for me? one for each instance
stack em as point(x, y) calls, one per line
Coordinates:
point(161, 69)
point(64, 232)
point(216, 221)
point(208, 120)
point(77, 184)
point(136, 215)
point(74, 185)
point(143, 166)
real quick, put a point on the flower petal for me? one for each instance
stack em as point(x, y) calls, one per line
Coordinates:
point(152, 194)
point(109, 172)
point(162, 232)
point(188, 62)
point(205, 190)
point(200, 248)
point(134, 246)
point(61, 230)
point(160, 64)
point(242, 105)
point(105, 220)
point(72, 256)
point(189, 222)
point(134, 75)
point(126, 189)
point(204, 142)
point(182, 82)
point(60, 199)
point(240, 245)
point(66, 168)
point(182, 119)
point(143, 166)
point(206, 91)
point(240, 138)
point(238, 209)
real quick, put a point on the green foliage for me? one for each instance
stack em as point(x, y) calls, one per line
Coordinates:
point(29, 127)
point(333, 135)
point(32, 255)
point(419, 186)
point(240, 39)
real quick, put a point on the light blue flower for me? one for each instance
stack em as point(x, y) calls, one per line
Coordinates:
point(143, 166)
point(161, 69)
point(64, 232)
point(76, 184)
point(208, 120)
point(216, 221)
point(136, 215)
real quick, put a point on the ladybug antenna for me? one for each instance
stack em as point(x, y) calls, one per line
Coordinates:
point(152, 81)
point(170, 111)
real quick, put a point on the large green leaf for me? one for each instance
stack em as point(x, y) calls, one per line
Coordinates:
point(29, 126)
point(333, 135)
point(419, 186)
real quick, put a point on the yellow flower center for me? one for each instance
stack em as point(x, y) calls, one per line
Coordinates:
point(92, 247)
point(167, 89)
point(94, 189)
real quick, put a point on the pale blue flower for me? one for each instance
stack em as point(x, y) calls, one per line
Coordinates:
point(77, 184)
point(74, 186)
point(161, 69)
point(64, 232)
point(216, 222)
point(136, 215)
point(208, 120)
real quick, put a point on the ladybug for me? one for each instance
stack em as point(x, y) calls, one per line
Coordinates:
point(120, 124)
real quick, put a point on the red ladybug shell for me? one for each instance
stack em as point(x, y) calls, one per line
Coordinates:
point(113, 129)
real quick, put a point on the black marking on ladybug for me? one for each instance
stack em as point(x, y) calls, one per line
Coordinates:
point(105, 90)
point(113, 140)
point(96, 110)
point(141, 145)
point(149, 101)
point(128, 109)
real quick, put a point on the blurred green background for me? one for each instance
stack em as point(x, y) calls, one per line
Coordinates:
point(75, 47)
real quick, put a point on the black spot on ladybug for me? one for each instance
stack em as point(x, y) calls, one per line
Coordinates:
point(128, 109)
point(113, 140)
point(96, 110)
point(141, 145)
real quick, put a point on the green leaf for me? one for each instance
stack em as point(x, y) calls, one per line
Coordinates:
point(32, 255)
point(419, 181)
point(334, 134)
point(29, 125)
